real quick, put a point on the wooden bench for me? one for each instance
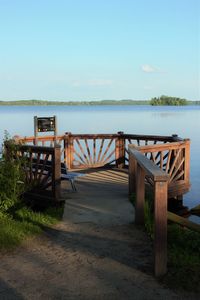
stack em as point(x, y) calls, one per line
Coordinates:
point(70, 176)
point(45, 166)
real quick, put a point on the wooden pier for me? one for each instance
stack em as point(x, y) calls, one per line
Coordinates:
point(161, 162)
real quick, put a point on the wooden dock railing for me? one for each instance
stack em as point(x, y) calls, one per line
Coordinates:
point(84, 151)
point(161, 161)
point(43, 181)
point(147, 169)
point(174, 159)
point(97, 150)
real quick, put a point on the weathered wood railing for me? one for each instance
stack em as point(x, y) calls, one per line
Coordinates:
point(170, 153)
point(44, 141)
point(96, 150)
point(147, 169)
point(42, 181)
point(174, 159)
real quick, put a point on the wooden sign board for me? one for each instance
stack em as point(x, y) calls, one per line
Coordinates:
point(45, 124)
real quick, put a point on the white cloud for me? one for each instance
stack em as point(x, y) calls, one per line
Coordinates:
point(149, 69)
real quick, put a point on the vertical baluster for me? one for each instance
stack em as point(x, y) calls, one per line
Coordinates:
point(160, 235)
point(94, 151)
point(140, 196)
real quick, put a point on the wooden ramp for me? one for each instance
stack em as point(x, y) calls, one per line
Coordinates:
point(95, 253)
point(102, 198)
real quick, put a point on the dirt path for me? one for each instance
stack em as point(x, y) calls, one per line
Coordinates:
point(95, 253)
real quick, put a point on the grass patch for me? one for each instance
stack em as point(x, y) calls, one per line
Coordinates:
point(17, 220)
point(25, 223)
point(183, 251)
point(183, 258)
point(148, 212)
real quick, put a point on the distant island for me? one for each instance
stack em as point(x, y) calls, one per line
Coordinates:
point(166, 100)
point(72, 103)
point(162, 100)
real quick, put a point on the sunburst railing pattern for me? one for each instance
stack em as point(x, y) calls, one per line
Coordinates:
point(84, 151)
point(90, 151)
point(173, 159)
point(42, 169)
point(145, 140)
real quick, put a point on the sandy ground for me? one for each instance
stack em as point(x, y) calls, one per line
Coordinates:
point(95, 253)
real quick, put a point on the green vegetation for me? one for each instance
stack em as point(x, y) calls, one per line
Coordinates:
point(163, 100)
point(11, 178)
point(24, 223)
point(183, 252)
point(148, 212)
point(17, 221)
point(183, 258)
point(74, 103)
point(166, 100)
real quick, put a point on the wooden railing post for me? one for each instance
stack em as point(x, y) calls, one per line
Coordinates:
point(56, 176)
point(187, 162)
point(140, 196)
point(160, 227)
point(132, 174)
point(120, 150)
point(69, 150)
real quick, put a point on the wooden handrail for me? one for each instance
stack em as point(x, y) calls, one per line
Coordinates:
point(92, 136)
point(142, 166)
point(174, 159)
point(168, 146)
point(98, 150)
point(40, 138)
point(38, 149)
point(148, 166)
point(162, 138)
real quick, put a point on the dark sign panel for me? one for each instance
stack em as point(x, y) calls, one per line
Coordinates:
point(46, 124)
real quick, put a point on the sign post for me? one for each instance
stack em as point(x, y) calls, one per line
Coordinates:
point(45, 124)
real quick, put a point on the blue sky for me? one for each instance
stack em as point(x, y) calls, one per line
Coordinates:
point(99, 49)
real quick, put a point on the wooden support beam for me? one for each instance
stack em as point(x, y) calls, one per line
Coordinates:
point(120, 150)
point(183, 221)
point(132, 174)
point(140, 196)
point(56, 176)
point(160, 237)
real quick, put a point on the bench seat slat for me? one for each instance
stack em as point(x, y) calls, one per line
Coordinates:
point(47, 169)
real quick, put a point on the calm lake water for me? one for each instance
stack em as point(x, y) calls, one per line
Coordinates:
point(184, 121)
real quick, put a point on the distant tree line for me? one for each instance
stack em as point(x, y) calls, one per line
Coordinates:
point(163, 100)
point(74, 103)
point(166, 100)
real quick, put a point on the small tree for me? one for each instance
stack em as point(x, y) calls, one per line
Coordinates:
point(166, 100)
point(12, 176)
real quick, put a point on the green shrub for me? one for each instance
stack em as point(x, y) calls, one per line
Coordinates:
point(12, 176)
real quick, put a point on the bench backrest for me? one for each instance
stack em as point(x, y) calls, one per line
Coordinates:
point(43, 165)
